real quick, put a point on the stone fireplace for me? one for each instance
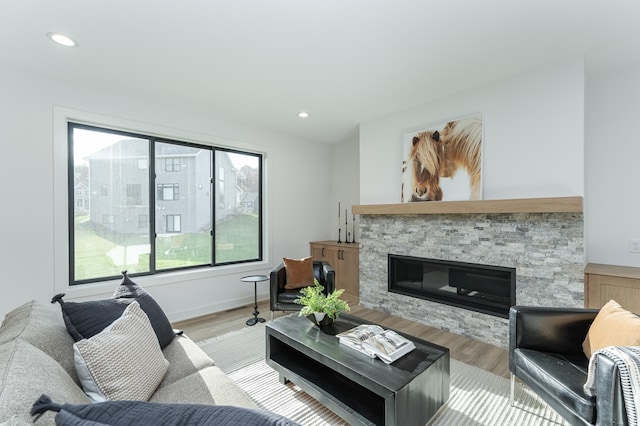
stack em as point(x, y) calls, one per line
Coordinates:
point(546, 251)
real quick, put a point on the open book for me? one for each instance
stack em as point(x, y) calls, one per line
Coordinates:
point(373, 340)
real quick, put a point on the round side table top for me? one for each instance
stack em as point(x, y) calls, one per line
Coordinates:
point(254, 278)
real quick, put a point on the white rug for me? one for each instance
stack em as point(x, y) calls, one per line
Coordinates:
point(477, 397)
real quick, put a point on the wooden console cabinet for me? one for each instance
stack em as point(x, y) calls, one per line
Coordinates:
point(345, 259)
point(605, 282)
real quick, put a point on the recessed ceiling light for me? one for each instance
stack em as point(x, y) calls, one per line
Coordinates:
point(303, 114)
point(62, 39)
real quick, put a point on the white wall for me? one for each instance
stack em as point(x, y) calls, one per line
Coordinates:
point(613, 154)
point(345, 184)
point(533, 136)
point(34, 237)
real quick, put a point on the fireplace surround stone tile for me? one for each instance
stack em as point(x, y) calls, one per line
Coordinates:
point(547, 250)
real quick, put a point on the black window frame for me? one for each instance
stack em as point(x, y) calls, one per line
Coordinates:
point(152, 187)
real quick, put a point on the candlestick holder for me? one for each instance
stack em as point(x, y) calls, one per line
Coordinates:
point(346, 226)
point(353, 240)
point(339, 237)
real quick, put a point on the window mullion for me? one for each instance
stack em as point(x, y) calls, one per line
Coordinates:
point(153, 232)
point(214, 196)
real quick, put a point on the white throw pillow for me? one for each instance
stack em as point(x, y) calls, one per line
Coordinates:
point(124, 361)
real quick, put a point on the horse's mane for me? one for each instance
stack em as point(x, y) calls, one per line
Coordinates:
point(427, 152)
point(462, 141)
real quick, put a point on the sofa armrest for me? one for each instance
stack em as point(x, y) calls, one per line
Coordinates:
point(609, 397)
point(559, 330)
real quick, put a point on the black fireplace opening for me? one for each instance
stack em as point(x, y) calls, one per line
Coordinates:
point(481, 288)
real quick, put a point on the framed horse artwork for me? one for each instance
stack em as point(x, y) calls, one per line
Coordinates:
point(443, 162)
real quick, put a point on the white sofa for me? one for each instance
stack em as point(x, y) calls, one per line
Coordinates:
point(36, 357)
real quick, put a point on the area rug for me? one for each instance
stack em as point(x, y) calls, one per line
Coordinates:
point(477, 397)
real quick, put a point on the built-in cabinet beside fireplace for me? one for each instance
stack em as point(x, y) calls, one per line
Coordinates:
point(544, 248)
point(605, 282)
point(345, 259)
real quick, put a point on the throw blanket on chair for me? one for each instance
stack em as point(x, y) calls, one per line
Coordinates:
point(627, 359)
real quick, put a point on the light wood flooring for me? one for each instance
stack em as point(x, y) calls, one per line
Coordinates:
point(464, 349)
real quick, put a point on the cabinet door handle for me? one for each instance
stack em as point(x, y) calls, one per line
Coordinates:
point(322, 251)
point(341, 254)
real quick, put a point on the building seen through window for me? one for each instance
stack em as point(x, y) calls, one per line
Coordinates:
point(149, 205)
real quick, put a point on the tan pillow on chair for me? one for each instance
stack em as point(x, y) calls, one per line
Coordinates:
point(299, 272)
point(613, 326)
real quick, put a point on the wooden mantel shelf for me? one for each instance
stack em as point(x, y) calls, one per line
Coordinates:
point(523, 205)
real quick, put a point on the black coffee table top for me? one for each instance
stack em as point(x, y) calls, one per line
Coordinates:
point(321, 344)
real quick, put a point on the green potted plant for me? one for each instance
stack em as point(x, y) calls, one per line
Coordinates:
point(318, 307)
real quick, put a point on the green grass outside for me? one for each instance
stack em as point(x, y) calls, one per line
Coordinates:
point(236, 239)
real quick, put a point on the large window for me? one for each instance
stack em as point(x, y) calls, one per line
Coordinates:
point(147, 205)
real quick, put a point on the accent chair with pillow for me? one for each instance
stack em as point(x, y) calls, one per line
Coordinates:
point(550, 350)
point(286, 280)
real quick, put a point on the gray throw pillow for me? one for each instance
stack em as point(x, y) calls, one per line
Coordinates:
point(123, 361)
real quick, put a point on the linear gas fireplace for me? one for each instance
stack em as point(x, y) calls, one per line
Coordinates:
point(481, 288)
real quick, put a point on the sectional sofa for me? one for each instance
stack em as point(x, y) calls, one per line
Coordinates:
point(37, 357)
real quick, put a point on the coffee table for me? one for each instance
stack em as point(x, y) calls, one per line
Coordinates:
point(359, 389)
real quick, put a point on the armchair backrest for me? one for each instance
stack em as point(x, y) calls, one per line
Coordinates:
point(322, 271)
point(326, 275)
point(318, 272)
point(281, 299)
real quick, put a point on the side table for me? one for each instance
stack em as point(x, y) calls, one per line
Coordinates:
point(255, 279)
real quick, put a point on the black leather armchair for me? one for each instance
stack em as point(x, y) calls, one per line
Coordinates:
point(282, 299)
point(545, 353)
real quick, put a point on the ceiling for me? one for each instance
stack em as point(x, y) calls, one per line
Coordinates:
point(344, 61)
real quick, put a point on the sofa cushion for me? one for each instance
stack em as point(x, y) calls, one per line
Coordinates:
point(86, 319)
point(185, 358)
point(613, 326)
point(559, 376)
point(299, 272)
point(42, 326)
point(148, 413)
point(25, 373)
point(124, 361)
point(207, 386)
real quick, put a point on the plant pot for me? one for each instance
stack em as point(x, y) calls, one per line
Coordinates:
point(320, 319)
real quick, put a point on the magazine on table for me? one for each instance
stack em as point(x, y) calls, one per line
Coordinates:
point(373, 340)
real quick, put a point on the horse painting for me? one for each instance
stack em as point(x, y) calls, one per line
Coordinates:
point(436, 159)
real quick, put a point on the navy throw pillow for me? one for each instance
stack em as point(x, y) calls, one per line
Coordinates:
point(135, 413)
point(86, 319)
